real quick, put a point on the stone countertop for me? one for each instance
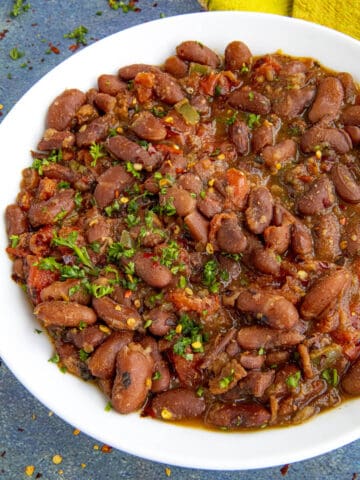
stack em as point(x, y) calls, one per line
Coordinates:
point(35, 443)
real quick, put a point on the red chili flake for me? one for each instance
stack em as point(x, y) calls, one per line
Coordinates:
point(54, 49)
point(284, 469)
point(74, 47)
point(128, 294)
point(106, 449)
point(3, 34)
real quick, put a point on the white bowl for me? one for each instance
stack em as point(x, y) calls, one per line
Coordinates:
point(27, 353)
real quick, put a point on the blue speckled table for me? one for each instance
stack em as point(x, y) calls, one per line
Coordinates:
point(34, 443)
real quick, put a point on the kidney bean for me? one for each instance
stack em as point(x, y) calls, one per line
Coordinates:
point(282, 152)
point(15, 220)
point(318, 197)
point(237, 55)
point(198, 226)
point(87, 338)
point(61, 290)
point(351, 115)
point(182, 200)
point(129, 151)
point(54, 140)
point(327, 238)
point(229, 237)
point(111, 84)
point(292, 103)
point(167, 89)
point(148, 127)
point(328, 100)
point(99, 228)
point(266, 261)
point(63, 109)
point(260, 209)
point(177, 404)
point(151, 271)
point(161, 321)
point(104, 102)
point(255, 337)
point(130, 71)
point(60, 172)
point(112, 182)
point(134, 368)
point(351, 380)
point(272, 309)
point(197, 52)
point(250, 101)
point(103, 361)
point(235, 188)
point(175, 66)
point(251, 360)
point(256, 383)
point(64, 314)
point(354, 133)
point(345, 184)
point(46, 212)
point(277, 238)
point(211, 204)
point(190, 182)
point(161, 378)
point(318, 137)
point(239, 415)
point(348, 85)
point(95, 131)
point(352, 236)
point(324, 292)
point(301, 239)
point(262, 136)
point(239, 134)
point(117, 316)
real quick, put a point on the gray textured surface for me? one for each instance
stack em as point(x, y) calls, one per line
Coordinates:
point(29, 433)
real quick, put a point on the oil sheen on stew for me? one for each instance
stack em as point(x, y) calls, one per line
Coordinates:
point(188, 235)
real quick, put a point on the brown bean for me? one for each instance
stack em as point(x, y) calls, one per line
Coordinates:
point(301, 239)
point(95, 131)
point(345, 184)
point(15, 220)
point(134, 368)
point(352, 238)
point(239, 415)
point(260, 209)
point(351, 115)
point(193, 51)
point(279, 154)
point(152, 271)
point(117, 316)
point(104, 102)
point(349, 86)
point(266, 260)
point(161, 321)
point(87, 338)
point(255, 337)
point(350, 382)
point(256, 383)
point(54, 140)
point(319, 196)
point(239, 134)
point(328, 100)
point(211, 204)
point(177, 404)
point(318, 137)
point(46, 212)
point(167, 89)
point(61, 290)
point(129, 151)
point(198, 226)
point(102, 362)
point(63, 109)
point(354, 133)
point(327, 238)
point(111, 84)
point(272, 309)
point(129, 72)
point(162, 377)
point(237, 55)
point(99, 228)
point(175, 66)
point(112, 182)
point(64, 314)
point(292, 103)
point(277, 238)
point(262, 136)
point(250, 101)
point(323, 292)
point(182, 200)
point(148, 127)
point(190, 182)
point(229, 237)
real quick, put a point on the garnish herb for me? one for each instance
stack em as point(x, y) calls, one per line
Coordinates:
point(117, 250)
point(78, 34)
point(125, 7)
point(224, 382)
point(96, 151)
point(293, 380)
point(55, 358)
point(83, 355)
point(331, 376)
point(131, 169)
point(211, 269)
point(188, 337)
point(14, 239)
point(253, 120)
point(70, 242)
point(39, 163)
point(19, 7)
point(15, 54)
point(231, 120)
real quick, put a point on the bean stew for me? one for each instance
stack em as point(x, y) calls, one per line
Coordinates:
point(189, 236)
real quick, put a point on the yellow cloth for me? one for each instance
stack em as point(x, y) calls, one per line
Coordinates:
point(342, 15)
